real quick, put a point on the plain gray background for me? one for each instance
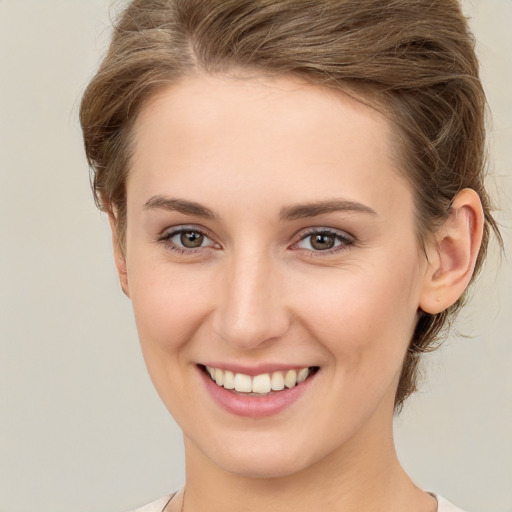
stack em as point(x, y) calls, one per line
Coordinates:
point(81, 428)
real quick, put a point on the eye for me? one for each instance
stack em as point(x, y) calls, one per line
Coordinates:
point(189, 239)
point(186, 239)
point(324, 240)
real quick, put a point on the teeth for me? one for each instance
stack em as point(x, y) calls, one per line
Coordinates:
point(229, 380)
point(277, 381)
point(219, 377)
point(302, 375)
point(243, 383)
point(291, 378)
point(260, 384)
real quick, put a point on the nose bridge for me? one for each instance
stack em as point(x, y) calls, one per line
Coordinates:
point(252, 309)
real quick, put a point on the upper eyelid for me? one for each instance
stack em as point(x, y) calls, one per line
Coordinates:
point(346, 240)
point(174, 230)
point(303, 233)
point(167, 234)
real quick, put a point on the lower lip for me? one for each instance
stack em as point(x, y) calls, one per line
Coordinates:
point(255, 406)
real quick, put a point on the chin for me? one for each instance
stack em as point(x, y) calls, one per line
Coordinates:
point(263, 458)
point(269, 468)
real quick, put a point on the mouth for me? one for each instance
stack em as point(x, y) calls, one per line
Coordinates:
point(264, 384)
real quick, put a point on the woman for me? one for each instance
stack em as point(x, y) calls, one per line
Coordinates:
point(296, 197)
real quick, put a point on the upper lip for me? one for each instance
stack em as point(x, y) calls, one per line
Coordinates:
point(258, 369)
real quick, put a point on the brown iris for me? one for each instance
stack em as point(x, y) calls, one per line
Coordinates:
point(191, 239)
point(322, 241)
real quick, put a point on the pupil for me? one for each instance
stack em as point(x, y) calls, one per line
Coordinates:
point(322, 241)
point(192, 239)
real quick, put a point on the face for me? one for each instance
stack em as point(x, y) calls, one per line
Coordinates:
point(271, 243)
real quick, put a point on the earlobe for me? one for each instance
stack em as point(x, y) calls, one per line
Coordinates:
point(119, 256)
point(452, 259)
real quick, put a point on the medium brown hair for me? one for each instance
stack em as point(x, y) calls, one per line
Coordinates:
point(413, 60)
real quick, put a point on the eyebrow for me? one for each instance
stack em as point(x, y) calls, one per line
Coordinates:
point(295, 212)
point(302, 211)
point(181, 206)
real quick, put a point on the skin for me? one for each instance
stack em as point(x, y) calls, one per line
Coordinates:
point(250, 150)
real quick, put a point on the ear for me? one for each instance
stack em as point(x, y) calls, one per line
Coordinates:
point(119, 255)
point(452, 258)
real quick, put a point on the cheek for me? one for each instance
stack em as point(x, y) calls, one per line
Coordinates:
point(365, 329)
point(168, 305)
point(168, 309)
point(365, 316)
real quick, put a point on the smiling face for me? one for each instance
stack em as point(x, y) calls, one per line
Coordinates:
point(268, 230)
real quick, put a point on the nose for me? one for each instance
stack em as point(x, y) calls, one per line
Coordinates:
point(251, 308)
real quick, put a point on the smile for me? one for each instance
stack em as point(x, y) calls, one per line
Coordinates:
point(261, 384)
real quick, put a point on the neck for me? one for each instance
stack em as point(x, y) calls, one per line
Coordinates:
point(366, 476)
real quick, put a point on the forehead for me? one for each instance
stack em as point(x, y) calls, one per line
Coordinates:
point(254, 134)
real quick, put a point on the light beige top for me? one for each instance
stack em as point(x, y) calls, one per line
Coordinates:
point(159, 505)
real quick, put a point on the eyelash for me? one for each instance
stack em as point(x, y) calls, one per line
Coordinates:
point(345, 240)
point(166, 239)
